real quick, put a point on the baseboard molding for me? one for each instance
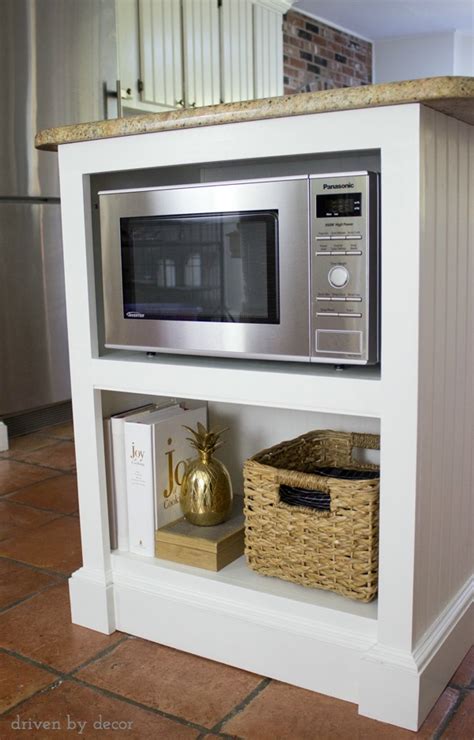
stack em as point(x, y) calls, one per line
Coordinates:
point(435, 636)
point(443, 647)
point(92, 600)
point(400, 687)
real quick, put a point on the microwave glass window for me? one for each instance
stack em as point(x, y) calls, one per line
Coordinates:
point(339, 204)
point(210, 267)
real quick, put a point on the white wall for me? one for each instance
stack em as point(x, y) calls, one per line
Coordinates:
point(463, 53)
point(413, 57)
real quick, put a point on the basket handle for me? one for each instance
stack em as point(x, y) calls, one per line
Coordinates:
point(365, 441)
point(302, 480)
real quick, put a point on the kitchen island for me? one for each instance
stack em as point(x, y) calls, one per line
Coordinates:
point(394, 655)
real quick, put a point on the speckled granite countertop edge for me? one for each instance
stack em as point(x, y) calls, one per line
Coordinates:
point(451, 95)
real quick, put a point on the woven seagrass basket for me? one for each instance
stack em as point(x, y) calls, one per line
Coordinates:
point(335, 550)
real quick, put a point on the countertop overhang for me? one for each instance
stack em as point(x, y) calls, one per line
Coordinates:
point(451, 95)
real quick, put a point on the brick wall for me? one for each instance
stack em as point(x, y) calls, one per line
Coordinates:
point(318, 57)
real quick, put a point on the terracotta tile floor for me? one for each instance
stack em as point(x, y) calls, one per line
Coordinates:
point(59, 680)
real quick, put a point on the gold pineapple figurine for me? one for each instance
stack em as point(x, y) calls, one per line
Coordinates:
point(206, 491)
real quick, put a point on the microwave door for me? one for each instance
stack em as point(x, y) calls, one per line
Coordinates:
point(225, 274)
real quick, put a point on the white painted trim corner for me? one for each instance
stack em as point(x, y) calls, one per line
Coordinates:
point(400, 687)
point(3, 437)
point(92, 600)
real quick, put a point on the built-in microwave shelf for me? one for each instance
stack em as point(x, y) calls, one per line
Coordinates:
point(165, 359)
point(351, 390)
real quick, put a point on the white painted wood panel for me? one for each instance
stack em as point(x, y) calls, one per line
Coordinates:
point(201, 52)
point(444, 548)
point(237, 58)
point(268, 52)
point(161, 51)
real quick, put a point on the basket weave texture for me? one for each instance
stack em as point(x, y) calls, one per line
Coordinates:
point(335, 550)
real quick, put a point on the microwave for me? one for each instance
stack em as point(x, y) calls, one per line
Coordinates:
point(273, 269)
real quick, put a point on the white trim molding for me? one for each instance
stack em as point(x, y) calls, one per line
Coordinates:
point(92, 600)
point(400, 687)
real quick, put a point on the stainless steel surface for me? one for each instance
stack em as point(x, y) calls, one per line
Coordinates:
point(347, 273)
point(34, 368)
point(288, 339)
point(55, 56)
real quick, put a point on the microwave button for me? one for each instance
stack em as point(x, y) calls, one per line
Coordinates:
point(351, 315)
point(353, 252)
point(338, 276)
point(322, 238)
point(318, 254)
point(338, 298)
point(353, 299)
point(338, 251)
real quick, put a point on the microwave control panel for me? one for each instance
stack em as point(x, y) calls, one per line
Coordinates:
point(344, 217)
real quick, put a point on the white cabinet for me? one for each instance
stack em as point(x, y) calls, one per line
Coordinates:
point(237, 50)
point(186, 53)
point(160, 52)
point(201, 52)
point(268, 51)
point(252, 49)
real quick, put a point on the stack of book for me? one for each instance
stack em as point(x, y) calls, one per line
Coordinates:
point(146, 452)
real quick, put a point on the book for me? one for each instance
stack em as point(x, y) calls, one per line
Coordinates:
point(115, 470)
point(156, 454)
point(109, 477)
point(211, 548)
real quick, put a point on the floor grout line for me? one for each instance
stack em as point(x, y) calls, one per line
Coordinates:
point(442, 727)
point(43, 690)
point(36, 508)
point(139, 705)
point(56, 472)
point(24, 599)
point(38, 568)
point(243, 704)
point(35, 663)
point(11, 458)
point(98, 656)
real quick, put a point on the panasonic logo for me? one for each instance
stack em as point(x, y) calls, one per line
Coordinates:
point(135, 315)
point(338, 187)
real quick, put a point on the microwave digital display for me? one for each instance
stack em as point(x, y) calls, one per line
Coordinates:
point(339, 204)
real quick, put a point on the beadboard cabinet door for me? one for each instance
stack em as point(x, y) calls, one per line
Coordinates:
point(201, 57)
point(268, 51)
point(237, 75)
point(161, 52)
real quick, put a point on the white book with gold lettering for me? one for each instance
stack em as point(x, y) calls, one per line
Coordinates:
point(116, 485)
point(156, 451)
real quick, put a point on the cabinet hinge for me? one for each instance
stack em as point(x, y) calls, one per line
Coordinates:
point(140, 86)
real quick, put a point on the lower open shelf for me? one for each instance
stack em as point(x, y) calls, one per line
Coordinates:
point(250, 589)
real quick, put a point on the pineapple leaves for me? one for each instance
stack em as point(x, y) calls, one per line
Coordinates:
point(204, 440)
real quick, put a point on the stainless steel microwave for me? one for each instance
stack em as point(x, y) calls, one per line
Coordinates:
point(276, 269)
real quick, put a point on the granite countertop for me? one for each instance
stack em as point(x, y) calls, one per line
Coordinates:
point(451, 95)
